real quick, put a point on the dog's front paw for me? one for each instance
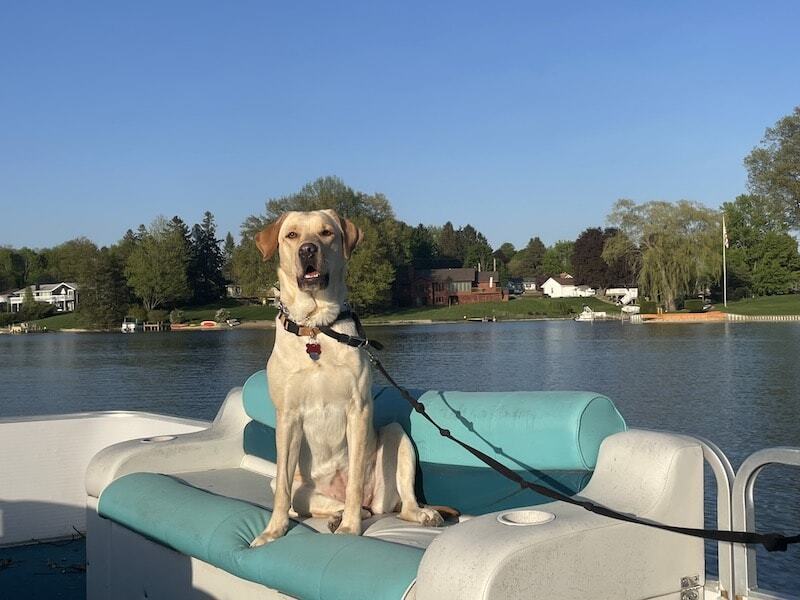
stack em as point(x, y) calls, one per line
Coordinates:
point(430, 517)
point(427, 517)
point(334, 521)
point(337, 524)
point(349, 529)
point(268, 535)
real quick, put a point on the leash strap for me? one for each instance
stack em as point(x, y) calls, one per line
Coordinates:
point(772, 542)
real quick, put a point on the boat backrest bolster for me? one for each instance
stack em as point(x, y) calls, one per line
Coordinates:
point(525, 430)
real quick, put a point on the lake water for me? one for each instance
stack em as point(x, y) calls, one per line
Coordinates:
point(737, 384)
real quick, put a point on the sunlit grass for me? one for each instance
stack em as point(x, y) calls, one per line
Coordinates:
point(518, 308)
point(788, 304)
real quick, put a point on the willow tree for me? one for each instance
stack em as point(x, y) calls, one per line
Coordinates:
point(676, 247)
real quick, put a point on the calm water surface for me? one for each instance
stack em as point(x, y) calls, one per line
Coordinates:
point(736, 384)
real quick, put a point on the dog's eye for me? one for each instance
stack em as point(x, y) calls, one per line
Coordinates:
point(326, 233)
point(291, 235)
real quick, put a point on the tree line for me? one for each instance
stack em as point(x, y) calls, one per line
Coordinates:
point(671, 250)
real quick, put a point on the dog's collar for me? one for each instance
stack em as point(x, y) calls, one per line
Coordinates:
point(304, 330)
point(342, 338)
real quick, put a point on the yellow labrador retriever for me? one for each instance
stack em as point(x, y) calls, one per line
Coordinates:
point(330, 461)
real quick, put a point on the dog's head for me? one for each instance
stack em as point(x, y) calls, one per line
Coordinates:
point(312, 247)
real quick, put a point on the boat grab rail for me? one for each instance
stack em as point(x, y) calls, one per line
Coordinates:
point(744, 516)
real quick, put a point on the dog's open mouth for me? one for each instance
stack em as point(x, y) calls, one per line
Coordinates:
point(312, 279)
point(311, 273)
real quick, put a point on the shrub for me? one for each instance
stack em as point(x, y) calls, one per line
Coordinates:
point(740, 293)
point(138, 312)
point(157, 316)
point(9, 318)
point(648, 308)
point(37, 310)
point(222, 315)
point(693, 305)
point(177, 316)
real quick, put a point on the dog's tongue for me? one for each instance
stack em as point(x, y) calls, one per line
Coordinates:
point(311, 273)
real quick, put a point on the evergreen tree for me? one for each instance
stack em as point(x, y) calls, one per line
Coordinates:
point(206, 262)
point(449, 246)
point(103, 290)
point(227, 255)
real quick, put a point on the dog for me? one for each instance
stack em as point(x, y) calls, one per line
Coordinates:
point(330, 460)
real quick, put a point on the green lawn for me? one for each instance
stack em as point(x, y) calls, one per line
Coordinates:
point(518, 308)
point(243, 312)
point(57, 322)
point(767, 305)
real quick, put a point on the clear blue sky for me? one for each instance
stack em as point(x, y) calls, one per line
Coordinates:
point(522, 118)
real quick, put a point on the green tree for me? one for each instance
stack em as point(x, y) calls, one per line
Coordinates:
point(28, 301)
point(528, 261)
point(423, 248)
point(370, 272)
point(370, 279)
point(776, 264)
point(749, 220)
point(557, 258)
point(157, 267)
point(773, 168)
point(103, 290)
point(9, 267)
point(227, 255)
point(676, 244)
point(206, 262)
point(507, 250)
point(476, 249)
point(69, 261)
point(449, 243)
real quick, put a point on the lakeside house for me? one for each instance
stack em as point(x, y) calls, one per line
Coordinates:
point(63, 295)
point(564, 286)
point(445, 287)
point(529, 284)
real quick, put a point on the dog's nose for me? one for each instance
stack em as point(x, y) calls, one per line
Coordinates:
point(308, 250)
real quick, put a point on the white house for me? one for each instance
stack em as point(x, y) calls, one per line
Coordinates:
point(529, 285)
point(64, 296)
point(564, 286)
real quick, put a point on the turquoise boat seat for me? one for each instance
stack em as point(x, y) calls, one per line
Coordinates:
point(549, 437)
point(218, 530)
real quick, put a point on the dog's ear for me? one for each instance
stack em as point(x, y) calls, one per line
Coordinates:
point(267, 238)
point(352, 236)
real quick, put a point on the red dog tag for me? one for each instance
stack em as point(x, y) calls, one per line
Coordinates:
point(314, 349)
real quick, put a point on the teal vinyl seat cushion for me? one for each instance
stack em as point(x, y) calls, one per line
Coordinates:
point(549, 437)
point(218, 530)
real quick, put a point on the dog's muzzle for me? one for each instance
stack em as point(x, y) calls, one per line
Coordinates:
point(311, 275)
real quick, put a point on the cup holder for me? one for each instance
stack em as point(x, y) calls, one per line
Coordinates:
point(525, 518)
point(158, 438)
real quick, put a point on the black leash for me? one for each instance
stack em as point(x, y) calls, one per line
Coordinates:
point(772, 542)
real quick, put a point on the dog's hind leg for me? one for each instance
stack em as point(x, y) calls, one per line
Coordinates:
point(396, 457)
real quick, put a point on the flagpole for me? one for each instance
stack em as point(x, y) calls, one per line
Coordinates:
point(724, 263)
